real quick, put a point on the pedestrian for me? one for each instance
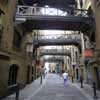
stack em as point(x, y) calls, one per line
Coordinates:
point(43, 72)
point(65, 78)
point(72, 78)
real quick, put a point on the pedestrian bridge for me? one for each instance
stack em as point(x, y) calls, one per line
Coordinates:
point(44, 42)
point(52, 18)
point(54, 40)
point(53, 59)
point(62, 52)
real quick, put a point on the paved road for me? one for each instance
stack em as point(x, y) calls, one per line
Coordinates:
point(53, 89)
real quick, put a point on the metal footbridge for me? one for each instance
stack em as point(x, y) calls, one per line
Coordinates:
point(62, 52)
point(52, 18)
point(62, 40)
point(54, 59)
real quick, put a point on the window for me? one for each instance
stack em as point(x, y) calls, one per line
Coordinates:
point(20, 2)
point(17, 39)
point(1, 32)
point(90, 11)
point(12, 75)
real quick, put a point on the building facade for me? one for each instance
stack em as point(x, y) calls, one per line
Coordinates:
point(15, 64)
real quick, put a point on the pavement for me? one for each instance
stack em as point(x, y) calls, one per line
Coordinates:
point(87, 90)
point(53, 89)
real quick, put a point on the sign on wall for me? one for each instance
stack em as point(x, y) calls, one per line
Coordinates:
point(88, 53)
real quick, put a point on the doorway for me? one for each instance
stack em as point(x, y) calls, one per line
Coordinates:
point(96, 71)
point(28, 74)
point(77, 74)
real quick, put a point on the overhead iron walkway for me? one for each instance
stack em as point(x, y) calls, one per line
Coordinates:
point(52, 18)
point(62, 52)
point(68, 39)
point(53, 59)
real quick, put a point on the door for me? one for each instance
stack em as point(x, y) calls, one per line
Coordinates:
point(28, 74)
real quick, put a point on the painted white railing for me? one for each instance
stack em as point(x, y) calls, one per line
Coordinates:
point(55, 51)
point(30, 11)
point(66, 37)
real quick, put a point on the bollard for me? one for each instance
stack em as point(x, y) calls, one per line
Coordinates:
point(81, 83)
point(94, 90)
point(81, 80)
point(17, 93)
point(72, 79)
point(41, 80)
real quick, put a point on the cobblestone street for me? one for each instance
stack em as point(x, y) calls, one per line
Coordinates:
point(52, 89)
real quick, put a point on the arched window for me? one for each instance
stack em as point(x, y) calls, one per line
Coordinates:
point(13, 71)
point(90, 11)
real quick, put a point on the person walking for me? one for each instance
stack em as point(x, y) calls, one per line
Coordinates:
point(44, 72)
point(65, 78)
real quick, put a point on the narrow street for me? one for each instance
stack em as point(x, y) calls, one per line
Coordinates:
point(51, 89)
point(54, 89)
point(49, 37)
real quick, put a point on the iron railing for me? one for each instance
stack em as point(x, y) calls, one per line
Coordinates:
point(47, 11)
point(55, 51)
point(54, 59)
point(66, 37)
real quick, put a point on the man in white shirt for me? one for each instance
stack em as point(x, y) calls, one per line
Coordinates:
point(65, 77)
